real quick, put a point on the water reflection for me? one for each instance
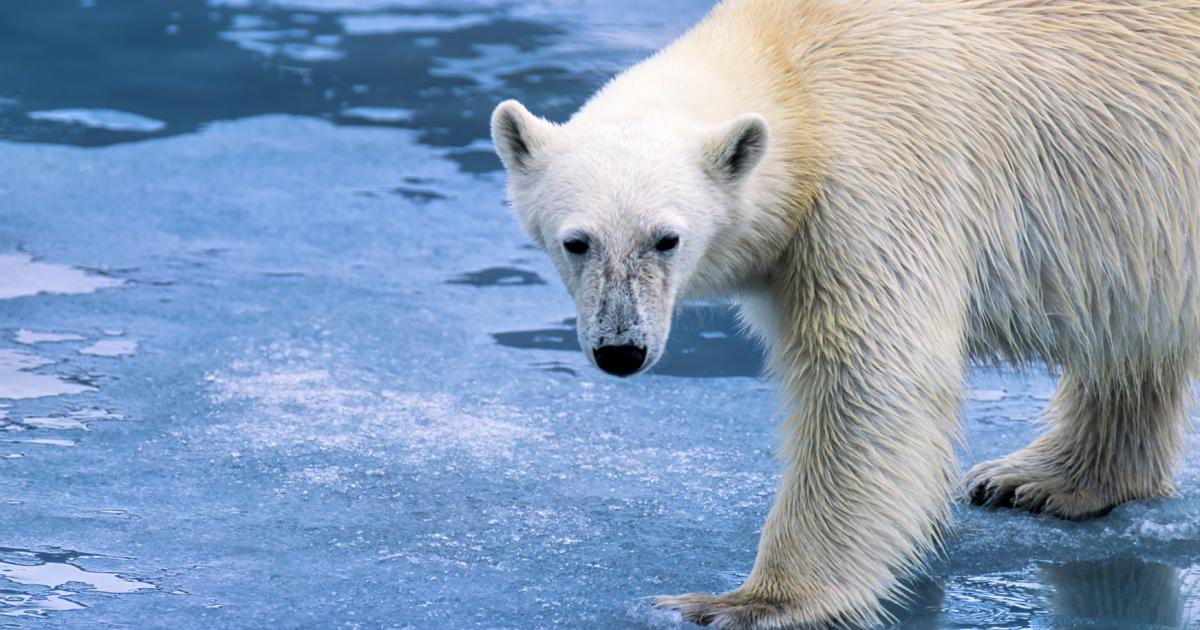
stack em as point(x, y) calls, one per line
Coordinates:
point(1121, 593)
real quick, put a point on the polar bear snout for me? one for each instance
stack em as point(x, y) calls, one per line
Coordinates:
point(620, 360)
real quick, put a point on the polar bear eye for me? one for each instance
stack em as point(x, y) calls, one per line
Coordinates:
point(575, 245)
point(667, 243)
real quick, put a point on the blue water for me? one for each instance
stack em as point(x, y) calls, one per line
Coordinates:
point(308, 373)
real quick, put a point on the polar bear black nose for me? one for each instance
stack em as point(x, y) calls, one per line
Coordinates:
point(620, 360)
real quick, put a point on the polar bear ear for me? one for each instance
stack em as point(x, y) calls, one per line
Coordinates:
point(518, 135)
point(737, 147)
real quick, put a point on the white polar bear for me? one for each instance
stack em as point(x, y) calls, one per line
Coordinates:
point(890, 189)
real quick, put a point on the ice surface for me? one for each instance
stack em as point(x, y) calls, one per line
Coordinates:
point(111, 348)
point(41, 441)
point(356, 398)
point(30, 337)
point(17, 381)
point(58, 574)
point(36, 605)
point(53, 422)
point(95, 414)
point(110, 119)
point(20, 275)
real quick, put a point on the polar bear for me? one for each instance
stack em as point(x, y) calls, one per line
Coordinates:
point(890, 190)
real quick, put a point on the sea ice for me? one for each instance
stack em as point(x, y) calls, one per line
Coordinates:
point(21, 275)
point(111, 348)
point(30, 337)
point(17, 381)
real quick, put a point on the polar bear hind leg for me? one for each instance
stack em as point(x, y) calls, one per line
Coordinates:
point(1110, 439)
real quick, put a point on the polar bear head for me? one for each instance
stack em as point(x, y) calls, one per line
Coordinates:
point(633, 214)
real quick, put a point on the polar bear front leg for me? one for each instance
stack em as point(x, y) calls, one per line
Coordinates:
point(874, 379)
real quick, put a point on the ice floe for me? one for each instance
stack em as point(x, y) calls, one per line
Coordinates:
point(393, 23)
point(378, 114)
point(110, 119)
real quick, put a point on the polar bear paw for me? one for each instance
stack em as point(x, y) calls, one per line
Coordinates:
point(733, 611)
point(1024, 483)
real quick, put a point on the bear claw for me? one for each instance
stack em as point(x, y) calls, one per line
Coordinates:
point(1005, 483)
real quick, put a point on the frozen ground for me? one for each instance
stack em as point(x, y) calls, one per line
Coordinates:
point(272, 353)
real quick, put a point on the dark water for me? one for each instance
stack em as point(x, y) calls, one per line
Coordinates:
point(188, 63)
point(274, 354)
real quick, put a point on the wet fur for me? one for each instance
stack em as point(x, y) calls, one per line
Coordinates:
point(1011, 181)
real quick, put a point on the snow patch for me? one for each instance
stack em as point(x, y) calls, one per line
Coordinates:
point(111, 348)
point(986, 395)
point(310, 52)
point(110, 119)
point(56, 574)
point(289, 406)
point(29, 337)
point(54, 422)
point(43, 442)
point(378, 114)
point(36, 604)
point(16, 381)
point(20, 276)
point(93, 413)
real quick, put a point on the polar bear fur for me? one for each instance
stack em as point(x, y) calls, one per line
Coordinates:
point(891, 189)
